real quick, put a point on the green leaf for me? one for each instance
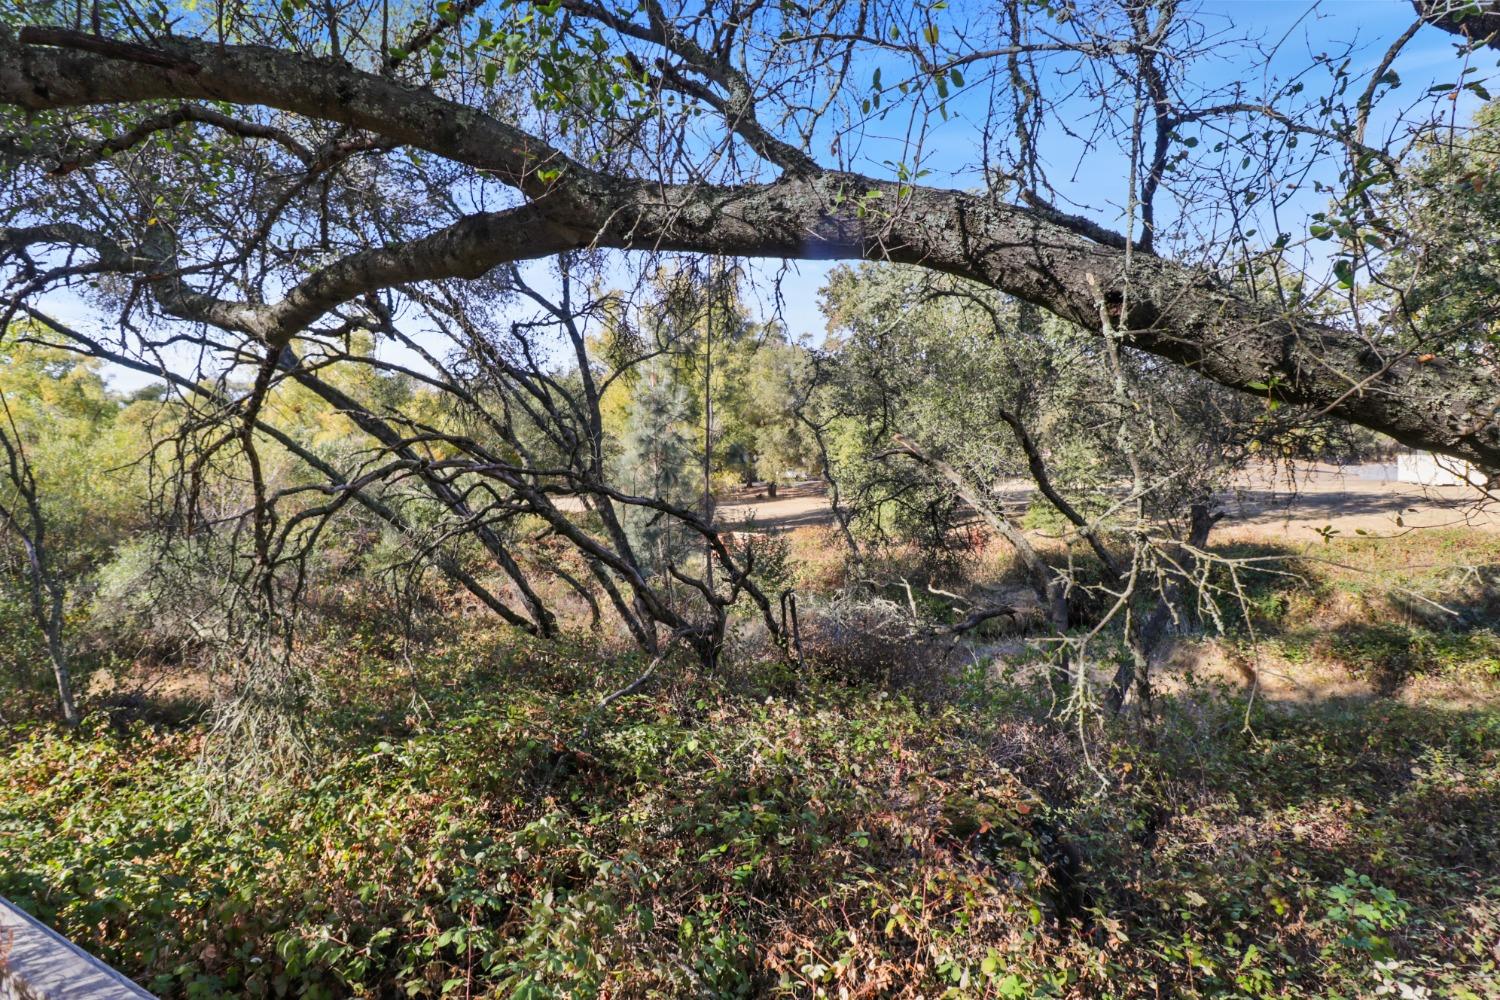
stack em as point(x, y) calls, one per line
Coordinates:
point(1343, 269)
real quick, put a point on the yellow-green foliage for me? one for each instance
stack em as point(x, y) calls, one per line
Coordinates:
point(81, 441)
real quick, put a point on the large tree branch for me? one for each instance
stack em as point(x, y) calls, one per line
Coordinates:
point(46, 68)
point(466, 249)
point(1476, 20)
point(1176, 312)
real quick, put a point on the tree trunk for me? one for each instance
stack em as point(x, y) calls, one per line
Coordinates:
point(1134, 672)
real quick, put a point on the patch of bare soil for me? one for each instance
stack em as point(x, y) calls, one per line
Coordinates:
point(795, 506)
point(152, 688)
point(1206, 665)
point(1349, 501)
point(1264, 504)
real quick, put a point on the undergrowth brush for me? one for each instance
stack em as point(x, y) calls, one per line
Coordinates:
point(486, 832)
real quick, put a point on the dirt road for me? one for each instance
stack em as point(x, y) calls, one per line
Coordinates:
point(1345, 501)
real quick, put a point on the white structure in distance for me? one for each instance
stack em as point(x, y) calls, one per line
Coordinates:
point(1426, 469)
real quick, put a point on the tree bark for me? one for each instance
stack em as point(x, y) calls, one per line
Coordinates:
point(1134, 672)
point(1476, 20)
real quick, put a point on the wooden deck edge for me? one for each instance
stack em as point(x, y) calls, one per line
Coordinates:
point(37, 963)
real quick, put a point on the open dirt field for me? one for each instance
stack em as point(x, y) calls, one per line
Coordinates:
point(1347, 500)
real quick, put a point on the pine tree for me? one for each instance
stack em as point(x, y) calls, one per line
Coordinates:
point(657, 460)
